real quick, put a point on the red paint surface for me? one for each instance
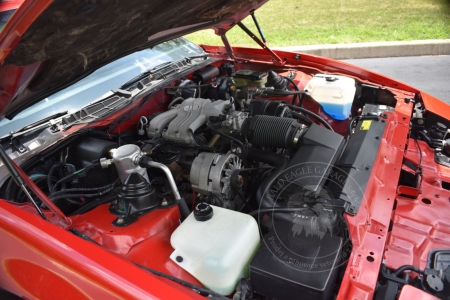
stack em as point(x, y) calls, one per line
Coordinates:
point(10, 4)
point(369, 227)
point(409, 292)
point(39, 281)
point(436, 106)
point(421, 224)
point(97, 272)
point(146, 242)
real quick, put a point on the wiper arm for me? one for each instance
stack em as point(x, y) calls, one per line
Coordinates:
point(176, 64)
point(139, 77)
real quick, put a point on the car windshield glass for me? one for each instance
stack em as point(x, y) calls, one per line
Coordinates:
point(5, 16)
point(103, 80)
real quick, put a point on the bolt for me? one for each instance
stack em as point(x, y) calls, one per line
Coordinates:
point(367, 167)
point(120, 220)
point(179, 259)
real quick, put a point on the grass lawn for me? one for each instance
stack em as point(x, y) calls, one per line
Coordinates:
point(300, 22)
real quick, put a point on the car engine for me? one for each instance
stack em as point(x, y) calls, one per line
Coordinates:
point(249, 163)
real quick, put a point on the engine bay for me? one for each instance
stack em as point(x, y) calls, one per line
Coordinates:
point(239, 181)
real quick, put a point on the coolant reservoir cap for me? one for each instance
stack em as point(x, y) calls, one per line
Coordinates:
point(203, 212)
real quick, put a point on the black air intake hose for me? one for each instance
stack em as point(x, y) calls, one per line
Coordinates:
point(272, 131)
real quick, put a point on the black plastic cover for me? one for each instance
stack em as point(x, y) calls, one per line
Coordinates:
point(319, 148)
point(439, 260)
point(352, 172)
point(135, 198)
point(206, 74)
point(294, 264)
point(89, 150)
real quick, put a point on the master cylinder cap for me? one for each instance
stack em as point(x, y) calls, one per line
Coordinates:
point(203, 212)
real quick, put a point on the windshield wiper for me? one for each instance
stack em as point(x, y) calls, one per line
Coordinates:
point(172, 65)
point(142, 76)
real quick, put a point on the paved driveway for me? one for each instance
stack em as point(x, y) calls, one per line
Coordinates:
point(428, 73)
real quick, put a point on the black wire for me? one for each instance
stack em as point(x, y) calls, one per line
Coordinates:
point(350, 125)
point(301, 118)
point(235, 188)
point(407, 268)
point(200, 290)
point(64, 179)
point(278, 209)
point(244, 200)
point(70, 176)
point(284, 92)
point(228, 137)
point(386, 274)
point(83, 195)
point(420, 152)
point(294, 99)
point(49, 176)
point(302, 98)
point(83, 189)
point(93, 204)
point(308, 112)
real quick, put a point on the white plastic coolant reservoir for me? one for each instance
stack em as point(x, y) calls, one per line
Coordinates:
point(335, 94)
point(218, 250)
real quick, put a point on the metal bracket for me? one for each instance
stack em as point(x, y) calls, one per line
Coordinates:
point(18, 145)
point(54, 127)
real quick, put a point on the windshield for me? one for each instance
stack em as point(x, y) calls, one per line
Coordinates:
point(101, 81)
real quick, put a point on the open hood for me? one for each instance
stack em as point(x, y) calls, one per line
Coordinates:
point(48, 45)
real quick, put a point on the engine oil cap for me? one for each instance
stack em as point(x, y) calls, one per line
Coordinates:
point(203, 212)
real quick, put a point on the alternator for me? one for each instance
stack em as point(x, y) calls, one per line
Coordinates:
point(211, 173)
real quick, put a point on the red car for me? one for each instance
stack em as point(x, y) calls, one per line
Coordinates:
point(139, 165)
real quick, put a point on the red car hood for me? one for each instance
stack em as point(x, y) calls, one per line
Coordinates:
point(48, 45)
